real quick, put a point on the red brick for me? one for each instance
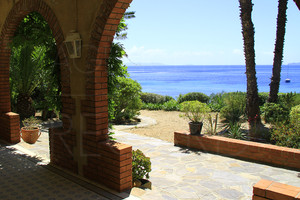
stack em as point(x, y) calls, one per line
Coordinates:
point(259, 188)
point(279, 191)
point(258, 198)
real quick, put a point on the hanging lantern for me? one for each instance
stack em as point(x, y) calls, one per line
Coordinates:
point(73, 44)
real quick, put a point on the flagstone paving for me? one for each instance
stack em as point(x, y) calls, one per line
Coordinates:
point(26, 177)
point(180, 173)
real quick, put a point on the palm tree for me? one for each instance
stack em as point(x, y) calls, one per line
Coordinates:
point(26, 73)
point(252, 91)
point(297, 3)
point(278, 52)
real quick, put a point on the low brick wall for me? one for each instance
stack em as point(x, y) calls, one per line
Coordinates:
point(265, 153)
point(270, 190)
point(111, 166)
point(10, 127)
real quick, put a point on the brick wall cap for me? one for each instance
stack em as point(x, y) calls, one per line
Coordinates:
point(11, 114)
point(112, 145)
point(263, 184)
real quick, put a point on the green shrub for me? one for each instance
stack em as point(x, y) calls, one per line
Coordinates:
point(193, 96)
point(287, 135)
point(234, 131)
point(195, 111)
point(274, 113)
point(295, 115)
point(287, 100)
point(127, 99)
point(235, 106)
point(141, 165)
point(216, 102)
point(297, 99)
point(212, 123)
point(263, 98)
point(155, 98)
point(171, 105)
point(151, 106)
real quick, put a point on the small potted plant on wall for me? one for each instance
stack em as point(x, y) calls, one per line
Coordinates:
point(30, 131)
point(141, 167)
point(195, 111)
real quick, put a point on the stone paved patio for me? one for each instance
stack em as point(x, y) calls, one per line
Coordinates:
point(25, 177)
point(179, 173)
point(184, 174)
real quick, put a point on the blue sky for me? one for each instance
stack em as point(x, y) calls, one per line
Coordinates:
point(199, 32)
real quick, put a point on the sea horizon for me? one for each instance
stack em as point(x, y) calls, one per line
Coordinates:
point(173, 80)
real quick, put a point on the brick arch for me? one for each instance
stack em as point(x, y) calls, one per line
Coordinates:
point(9, 122)
point(95, 106)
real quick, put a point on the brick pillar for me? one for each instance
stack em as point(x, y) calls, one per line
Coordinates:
point(108, 162)
point(111, 165)
point(10, 127)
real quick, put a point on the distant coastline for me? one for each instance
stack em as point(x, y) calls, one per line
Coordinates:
point(173, 80)
point(294, 63)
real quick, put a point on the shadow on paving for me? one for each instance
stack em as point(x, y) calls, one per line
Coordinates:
point(27, 177)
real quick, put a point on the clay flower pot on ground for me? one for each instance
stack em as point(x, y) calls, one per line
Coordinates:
point(30, 132)
point(195, 111)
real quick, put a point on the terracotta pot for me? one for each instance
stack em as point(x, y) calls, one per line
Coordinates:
point(195, 128)
point(30, 136)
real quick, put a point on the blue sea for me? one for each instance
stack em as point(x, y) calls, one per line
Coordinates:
point(208, 79)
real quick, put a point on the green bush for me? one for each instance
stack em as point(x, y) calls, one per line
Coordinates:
point(274, 113)
point(171, 105)
point(216, 102)
point(151, 106)
point(234, 131)
point(155, 98)
point(212, 123)
point(287, 100)
point(263, 98)
point(141, 165)
point(193, 96)
point(235, 106)
point(297, 99)
point(287, 135)
point(195, 111)
point(295, 115)
point(127, 99)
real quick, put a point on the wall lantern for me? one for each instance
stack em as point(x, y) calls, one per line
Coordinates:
point(73, 44)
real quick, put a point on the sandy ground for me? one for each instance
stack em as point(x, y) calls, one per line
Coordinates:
point(167, 124)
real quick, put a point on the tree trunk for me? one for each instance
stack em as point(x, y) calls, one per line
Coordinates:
point(278, 52)
point(252, 91)
point(24, 106)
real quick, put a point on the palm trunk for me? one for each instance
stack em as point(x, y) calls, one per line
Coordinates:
point(24, 106)
point(252, 91)
point(278, 52)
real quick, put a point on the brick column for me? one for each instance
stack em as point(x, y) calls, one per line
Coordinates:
point(10, 127)
point(108, 162)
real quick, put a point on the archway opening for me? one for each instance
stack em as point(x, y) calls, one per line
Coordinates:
point(35, 77)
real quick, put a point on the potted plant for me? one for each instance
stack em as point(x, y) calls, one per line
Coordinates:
point(30, 131)
point(141, 167)
point(195, 111)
